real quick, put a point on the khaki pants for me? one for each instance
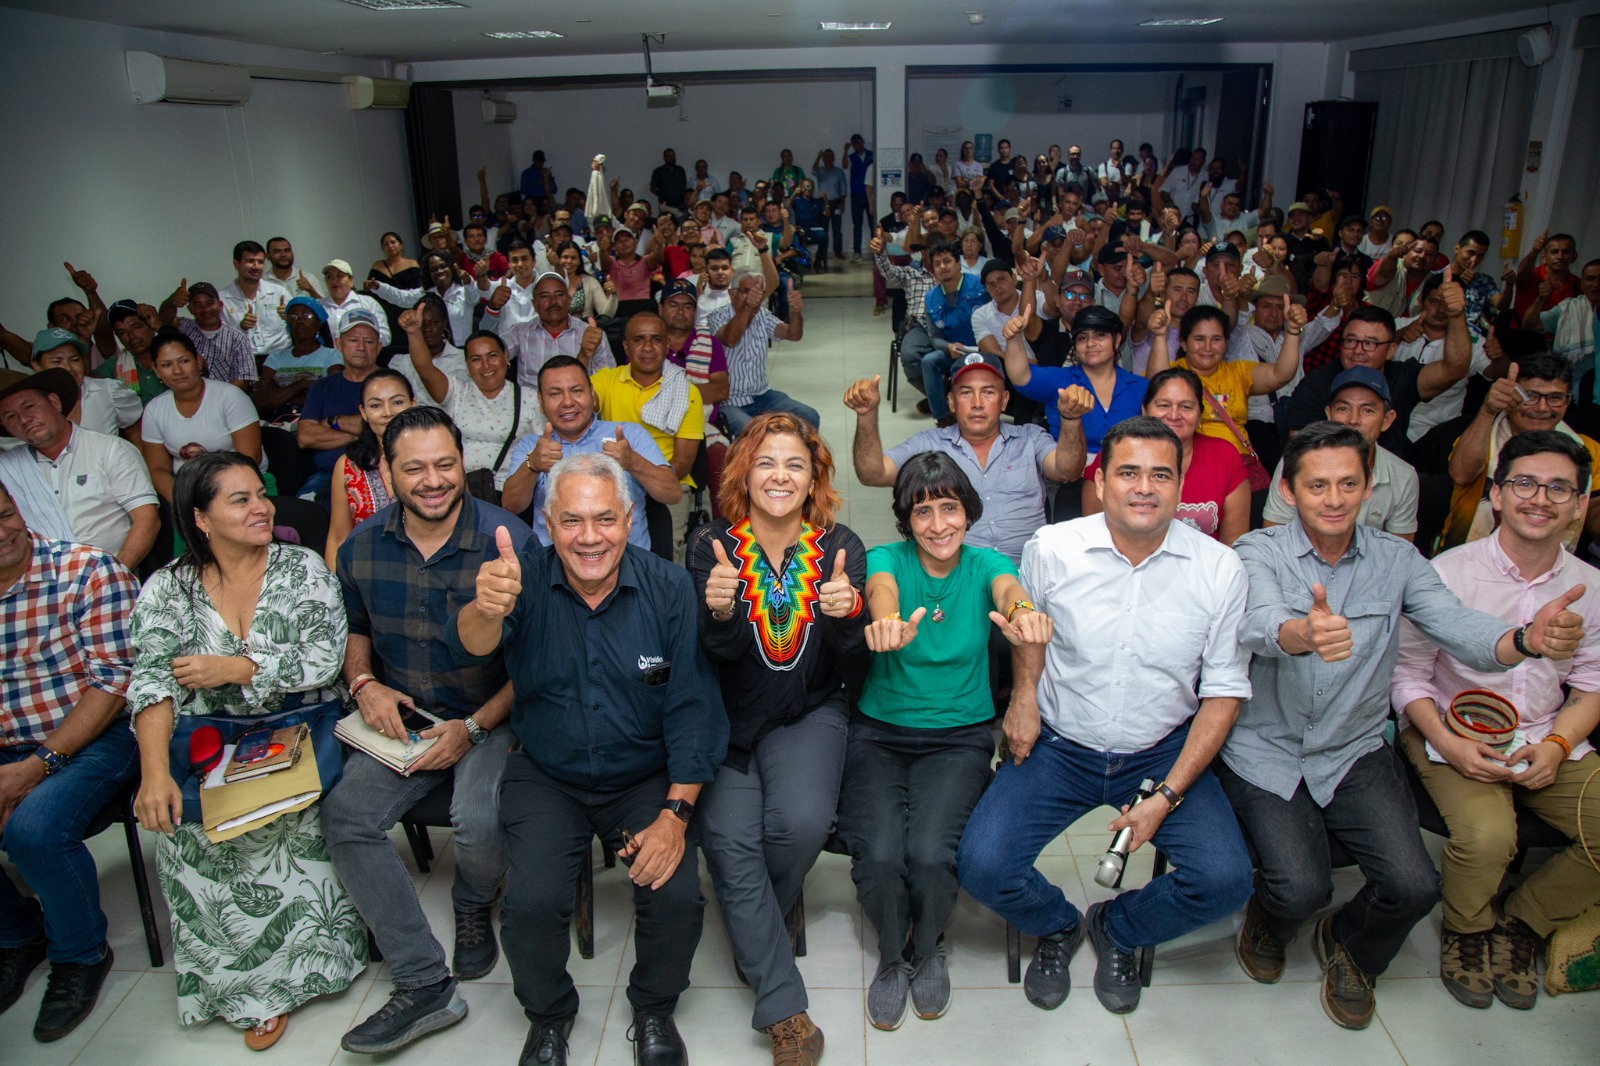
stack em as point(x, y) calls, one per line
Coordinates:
point(1483, 840)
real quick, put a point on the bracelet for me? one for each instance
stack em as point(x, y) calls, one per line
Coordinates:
point(1559, 739)
point(1019, 605)
point(1295, 332)
point(1520, 642)
point(892, 616)
point(361, 682)
point(860, 604)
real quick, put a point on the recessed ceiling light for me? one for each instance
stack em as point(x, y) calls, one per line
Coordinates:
point(403, 5)
point(1182, 22)
point(851, 27)
point(524, 35)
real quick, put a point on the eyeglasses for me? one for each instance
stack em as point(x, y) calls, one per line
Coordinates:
point(1546, 399)
point(1362, 344)
point(1527, 488)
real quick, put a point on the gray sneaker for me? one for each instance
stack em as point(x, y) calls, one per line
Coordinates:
point(887, 996)
point(410, 1014)
point(1048, 979)
point(1116, 971)
point(930, 985)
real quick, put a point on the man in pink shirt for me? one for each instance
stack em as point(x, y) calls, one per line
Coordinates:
point(1540, 486)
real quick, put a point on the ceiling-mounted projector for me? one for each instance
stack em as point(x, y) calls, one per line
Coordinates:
point(662, 94)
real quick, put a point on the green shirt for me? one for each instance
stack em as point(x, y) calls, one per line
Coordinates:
point(149, 385)
point(941, 678)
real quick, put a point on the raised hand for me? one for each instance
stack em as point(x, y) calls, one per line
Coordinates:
point(1323, 259)
point(1504, 394)
point(878, 243)
point(180, 295)
point(1027, 626)
point(547, 452)
point(1158, 279)
point(863, 396)
point(1018, 323)
point(248, 322)
point(1073, 402)
point(1135, 273)
point(893, 632)
point(1267, 189)
point(1452, 295)
point(303, 283)
point(619, 449)
point(500, 297)
point(592, 336)
point(1159, 320)
point(1541, 240)
point(1556, 629)
point(411, 321)
point(722, 584)
point(370, 285)
point(1295, 317)
point(838, 596)
point(82, 279)
point(500, 579)
point(1329, 632)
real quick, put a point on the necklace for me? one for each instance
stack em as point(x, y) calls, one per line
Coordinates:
point(937, 589)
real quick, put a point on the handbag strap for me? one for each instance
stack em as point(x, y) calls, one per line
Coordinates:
point(516, 420)
point(1222, 416)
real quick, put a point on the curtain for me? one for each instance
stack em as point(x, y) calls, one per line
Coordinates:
point(1450, 141)
point(1576, 208)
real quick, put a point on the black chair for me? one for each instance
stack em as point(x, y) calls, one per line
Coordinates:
point(433, 812)
point(282, 450)
point(120, 811)
point(308, 520)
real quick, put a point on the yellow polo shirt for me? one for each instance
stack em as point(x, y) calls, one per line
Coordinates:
point(618, 398)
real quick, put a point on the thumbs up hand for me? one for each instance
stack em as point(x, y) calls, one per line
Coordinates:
point(722, 584)
point(1027, 626)
point(547, 453)
point(863, 396)
point(1557, 630)
point(82, 279)
point(1505, 393)
point(1329, 632)
point(500, 297)
point(619, 449)
point(500, 579)
point(592, 336)
point(283, 308)
point(248, 322)
point(303, 283)
point(180, 295)
point(891, 633)
point(838, 596)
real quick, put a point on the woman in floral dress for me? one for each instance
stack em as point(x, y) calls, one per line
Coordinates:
point(239, 632)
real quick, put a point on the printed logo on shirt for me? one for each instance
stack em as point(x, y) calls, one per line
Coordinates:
point(650, 662)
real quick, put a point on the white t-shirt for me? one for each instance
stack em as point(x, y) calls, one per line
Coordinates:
point(224, 409)
point(452, 363)
point(107, 406)
point(1446, 405)
point(485, 423)
point(989, 321)
point(710, 300)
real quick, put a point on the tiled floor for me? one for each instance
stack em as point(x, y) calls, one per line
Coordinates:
point(1200, 1010)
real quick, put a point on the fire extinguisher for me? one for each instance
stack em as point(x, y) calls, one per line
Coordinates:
point(1511, 231)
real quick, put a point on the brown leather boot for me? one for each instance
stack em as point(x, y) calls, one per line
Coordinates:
point(795, 1041)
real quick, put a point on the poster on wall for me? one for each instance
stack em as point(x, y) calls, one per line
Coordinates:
point(889, 178)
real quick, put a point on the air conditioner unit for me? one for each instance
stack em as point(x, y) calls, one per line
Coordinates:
point(156, 78)
point(499, 112)
point(382, 93)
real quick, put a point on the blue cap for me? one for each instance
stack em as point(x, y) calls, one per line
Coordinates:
point(1053, 233)
point(358, 316)
point(680, 287)
point(1363, 377)
point(314, 306)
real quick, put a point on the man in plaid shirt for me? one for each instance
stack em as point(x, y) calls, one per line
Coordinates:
point(65, 750)
point(226, 350)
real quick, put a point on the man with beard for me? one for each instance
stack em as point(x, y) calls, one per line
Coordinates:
point(280, 253)
point(401, 572)
point(254, 304)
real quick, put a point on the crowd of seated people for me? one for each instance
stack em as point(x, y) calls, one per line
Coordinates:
point(1218, 513)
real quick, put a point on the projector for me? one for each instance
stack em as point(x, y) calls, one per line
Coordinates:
point(661, 94)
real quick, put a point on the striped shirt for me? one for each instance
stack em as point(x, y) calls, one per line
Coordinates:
point(64, 625)
point(747, 360)
point(226, 351)
point(402, 602)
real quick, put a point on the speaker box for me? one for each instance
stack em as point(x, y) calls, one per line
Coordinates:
point(1336, 150)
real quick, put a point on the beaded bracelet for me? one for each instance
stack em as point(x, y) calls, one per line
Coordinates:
point(1566, 746)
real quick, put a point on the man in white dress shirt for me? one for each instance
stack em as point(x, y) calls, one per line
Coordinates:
point(1143, 608)
point(254, 303)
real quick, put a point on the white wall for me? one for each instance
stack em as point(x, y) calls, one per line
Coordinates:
point(482, 144)
point(142, 195)
point(732, 125)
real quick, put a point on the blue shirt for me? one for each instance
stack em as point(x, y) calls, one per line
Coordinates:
point(604, 699)
point(858, 171)
point(830, 181)
point(598, 433)
point(329, 396)
point(1127, 398)
point(402, 603)
point(954, 316)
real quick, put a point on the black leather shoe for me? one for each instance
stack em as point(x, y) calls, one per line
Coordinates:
point(656, 1041)
point(15, 966)
point(546, 1045)
point(69, 997)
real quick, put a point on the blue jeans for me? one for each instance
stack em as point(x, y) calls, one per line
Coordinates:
point(1028, 806)
point(761, 403)
point(44, 840)
point(936, 381)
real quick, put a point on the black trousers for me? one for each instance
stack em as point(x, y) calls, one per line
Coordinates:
point(549, 826)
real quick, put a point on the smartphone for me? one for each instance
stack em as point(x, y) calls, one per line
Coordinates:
point(253, 745)
point(414, 720)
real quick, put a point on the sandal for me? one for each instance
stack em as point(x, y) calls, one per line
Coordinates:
point(259, 1038)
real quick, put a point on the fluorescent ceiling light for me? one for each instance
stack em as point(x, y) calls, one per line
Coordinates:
point(523, 35)
point(1182, 22)
point(853, 26)
point(403, 5)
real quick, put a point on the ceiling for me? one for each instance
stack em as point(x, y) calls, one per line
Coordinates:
point(602, 27)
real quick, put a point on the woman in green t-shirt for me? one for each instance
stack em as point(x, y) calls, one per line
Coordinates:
point(920, 748)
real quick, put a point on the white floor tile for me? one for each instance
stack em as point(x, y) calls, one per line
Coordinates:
point(1432, 1029)
point(993, 1025)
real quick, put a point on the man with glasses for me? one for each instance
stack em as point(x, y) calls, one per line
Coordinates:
point(1368, 339)
point(1534, 395)
point(1307, 761)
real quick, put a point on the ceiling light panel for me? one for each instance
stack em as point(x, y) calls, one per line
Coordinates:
point(524, 35)
point(851, 27)
point(403, 5)
point(1182, 22)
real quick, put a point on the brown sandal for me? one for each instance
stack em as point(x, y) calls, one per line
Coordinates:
point(257, 1040)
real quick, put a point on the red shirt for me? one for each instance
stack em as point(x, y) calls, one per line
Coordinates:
point(1526, 293)
point(1215, 470)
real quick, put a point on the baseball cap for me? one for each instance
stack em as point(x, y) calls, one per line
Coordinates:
point(1077, 277)
point(1111, 253)
point(1222, 250)
point(1011, 215)
point(120, 310)
point(1346, 220)
point(1053, 233)
point(948, 211)
point(1363, 377)
point(978, 361)
point(993, 266)
point(1298, 205)
point(55, 337)
point(204, 287)
point(679, 287)
point(601, 220)
point(358, 316)
point(341, 265)
point(1384, 208)
point(543, 275)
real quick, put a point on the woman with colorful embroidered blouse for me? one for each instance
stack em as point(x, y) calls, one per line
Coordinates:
point(781, 581)
point(920, 747)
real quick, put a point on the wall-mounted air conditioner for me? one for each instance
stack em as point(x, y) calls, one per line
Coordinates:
point(499, 112)
point(156, 78)
point(382, 93)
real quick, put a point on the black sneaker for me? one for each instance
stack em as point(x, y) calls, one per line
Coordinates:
point(69, 997)
point(1048, 981)
point(15, 966)
point(476, 950)
point(656, 1041)
point(410, 1014)
point(1116, 972)
point(546, 1045)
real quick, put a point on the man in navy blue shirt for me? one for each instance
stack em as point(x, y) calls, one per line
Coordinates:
point(860, 161)
point(619, 722)
point(329, 420)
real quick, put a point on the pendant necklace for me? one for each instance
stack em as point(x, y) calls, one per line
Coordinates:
point(937, 591)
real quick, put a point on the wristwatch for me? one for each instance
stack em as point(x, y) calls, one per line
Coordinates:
point(55, 762)
point(1169, 795)
point(475, 732)
point(333, 424)
point(682, 808)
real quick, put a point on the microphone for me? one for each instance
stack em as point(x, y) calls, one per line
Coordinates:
point(1109, 872)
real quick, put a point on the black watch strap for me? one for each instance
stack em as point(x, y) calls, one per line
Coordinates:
point(1519, 640)
point(682, 808)
point(1166, 793)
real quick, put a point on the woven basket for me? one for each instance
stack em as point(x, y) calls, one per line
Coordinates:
point(1573, 958)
